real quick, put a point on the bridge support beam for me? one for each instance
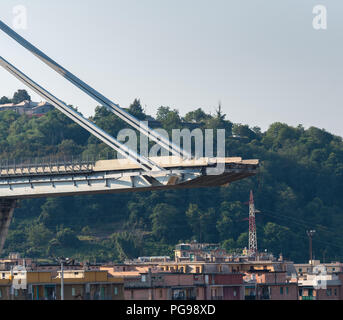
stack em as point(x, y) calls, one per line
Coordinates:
point(6, 213)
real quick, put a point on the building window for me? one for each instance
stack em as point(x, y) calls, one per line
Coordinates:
point(197, 270)
point(335, 292)
point(115, 291)
point(300, 269)
point(234, 293)
point(286, 290)
point(0, 294)
point(16, 292)
point(143, 277)
point(161, 293)
point(328, 292)
point(281, 290)
point(73, 292)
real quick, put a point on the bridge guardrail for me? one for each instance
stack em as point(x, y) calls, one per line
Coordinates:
point(37, 166)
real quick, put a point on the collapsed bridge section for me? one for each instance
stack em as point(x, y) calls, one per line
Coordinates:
point(114, 176)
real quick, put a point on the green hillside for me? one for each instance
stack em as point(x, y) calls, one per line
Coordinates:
point(299, 187)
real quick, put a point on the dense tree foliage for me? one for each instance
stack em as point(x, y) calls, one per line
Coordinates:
point(298, 188)
point(19, 96)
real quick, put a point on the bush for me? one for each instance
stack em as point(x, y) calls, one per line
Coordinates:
point(67, 238)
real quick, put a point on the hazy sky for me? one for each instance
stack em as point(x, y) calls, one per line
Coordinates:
point(261, 58)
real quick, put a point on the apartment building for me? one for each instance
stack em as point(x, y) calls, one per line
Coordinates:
point(267, 285)
point(320, 285)
point(195, 251)
point(14, 259)
point(199, 272)
point(305, 268)
point(179, 281)
point(21, 284)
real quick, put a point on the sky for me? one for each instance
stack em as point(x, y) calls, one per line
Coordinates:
point(261, 59)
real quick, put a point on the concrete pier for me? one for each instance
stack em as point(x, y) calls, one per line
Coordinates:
point(6, 213)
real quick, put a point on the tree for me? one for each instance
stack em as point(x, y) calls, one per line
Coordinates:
point(276, 237)
point(107, 121)
point(69, 148)
point(86, 231)
point(168, 224)
point(48, 212)
point(229, 245)
point(218, 122)
point(67, 237)
point(243, 240)
point(170, 119)
point(16, 241)
point(5, 100)
point(203, 223)
point(38, 235)
point(197, 116)
point(225, 225)
point(126, 244)
point(243, 131)
point(193, 214)
point(20, 96)
point(136, 110)
point(295, 165)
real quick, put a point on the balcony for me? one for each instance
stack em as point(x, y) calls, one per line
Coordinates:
point(137, 285)
point(182, 297)
point(307, 298)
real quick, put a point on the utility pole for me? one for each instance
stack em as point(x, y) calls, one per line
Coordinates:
point(62, 261)
point(62, 281)
point(310, 234)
